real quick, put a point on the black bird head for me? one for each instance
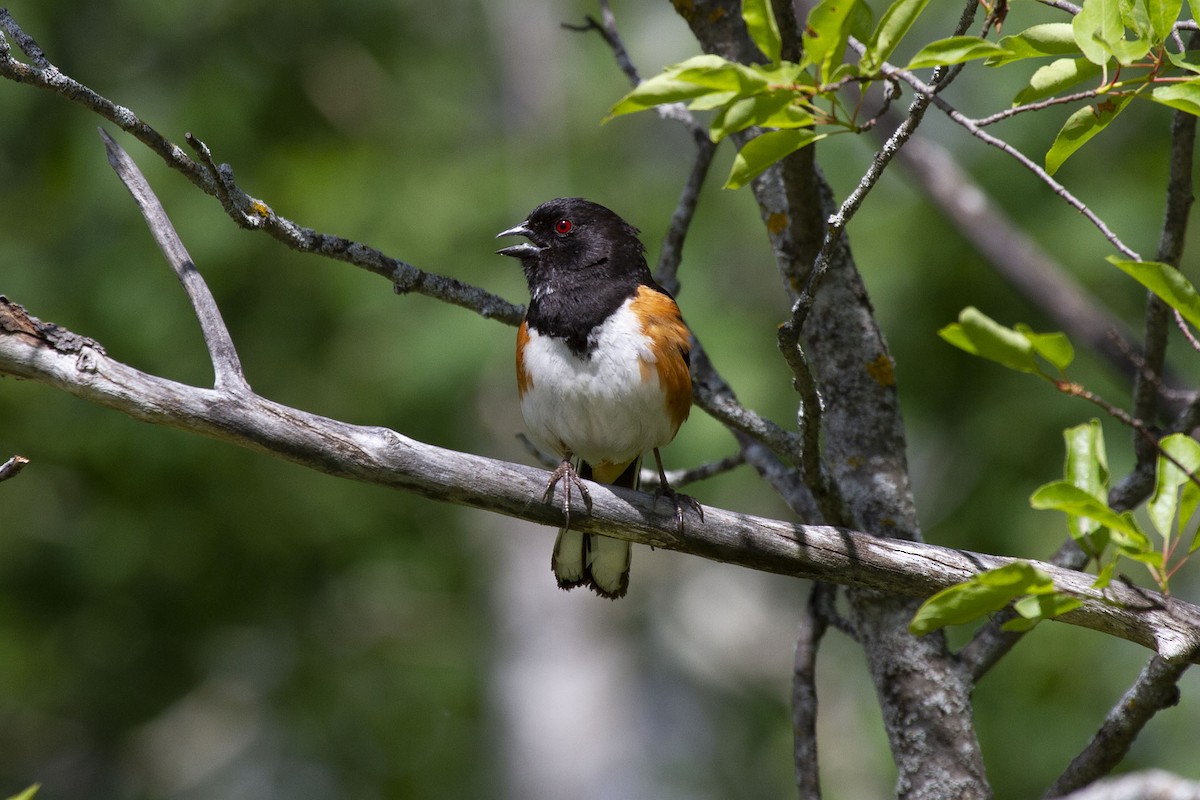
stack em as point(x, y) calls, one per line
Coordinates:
point(572, 240)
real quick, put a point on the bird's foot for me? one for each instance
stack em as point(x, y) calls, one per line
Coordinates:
point(680, 501)
point(566, 470)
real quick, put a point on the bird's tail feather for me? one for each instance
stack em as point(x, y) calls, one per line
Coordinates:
point(600, 563)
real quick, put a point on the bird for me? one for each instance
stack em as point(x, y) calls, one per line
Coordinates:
point(603, 370)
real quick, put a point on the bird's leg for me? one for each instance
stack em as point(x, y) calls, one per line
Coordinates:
point(567, 470)
point(680, 500)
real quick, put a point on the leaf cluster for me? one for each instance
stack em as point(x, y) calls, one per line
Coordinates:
point(1125, 49)
point(793, 103)
point(1162, 538)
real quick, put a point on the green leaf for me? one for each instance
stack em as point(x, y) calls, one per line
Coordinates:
point(701, 76)
point(1048, 39)
point(1037, 607)
point(894, 23)
point(760, 23)
point(770, 109)
point(986, 592)
point(1167, 283)
point(28, 794)
point(656, 91)
point(1086, 464)
point(1097, 24)
point(1056, 76)
point(954, 50)
point(1071, 499)
point(706, 102)
point(1184, 96)
point(1153, 558)
point(1054, 347)
point(982, 336)
point(1181, 60)
point(1099, 30)
point(1080, 127)
point(717, 73)
point(764, 150)
point(826, 34)
point(1162, 15)
point(1175, 494)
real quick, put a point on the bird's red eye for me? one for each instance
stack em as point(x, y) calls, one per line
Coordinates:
point(563, 226)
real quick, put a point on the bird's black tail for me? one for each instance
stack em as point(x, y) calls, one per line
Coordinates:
point(600, 563)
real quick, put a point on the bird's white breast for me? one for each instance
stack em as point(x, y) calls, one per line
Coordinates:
point(605, 406)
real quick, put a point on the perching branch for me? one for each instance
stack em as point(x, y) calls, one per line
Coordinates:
point(49, 354)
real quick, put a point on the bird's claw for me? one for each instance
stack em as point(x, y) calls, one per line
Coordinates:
point(679, 500)
point(566, 470)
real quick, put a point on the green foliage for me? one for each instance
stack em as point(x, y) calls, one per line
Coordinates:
point(1165, 281)
point(1176, 492)
point(1016, 348)
point(760, 22)
point(789, 100)
point(28, 794)
point(764, 150)
point(1080, 127)
point(991, 591)
point(892, 27)
point(1129, 38)
point(1104, 534)
point(1135, 34)
point(954, 50)
point(1088, 510)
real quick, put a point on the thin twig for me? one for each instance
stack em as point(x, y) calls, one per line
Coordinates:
point(925, 89)
point(1061, 5)
point(804, 696)
point(671, 253)
point(1186, 330)
point(227, 367)
point(1040, 105)
point(607, 28)
point(682, 477)
point(10, 468)
point(714, 395)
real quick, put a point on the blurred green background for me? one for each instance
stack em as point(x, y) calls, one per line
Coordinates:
point(183, 619)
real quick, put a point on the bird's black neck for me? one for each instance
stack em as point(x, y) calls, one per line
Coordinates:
point(570, 305)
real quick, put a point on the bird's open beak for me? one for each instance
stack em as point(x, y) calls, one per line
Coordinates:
point(518, 250)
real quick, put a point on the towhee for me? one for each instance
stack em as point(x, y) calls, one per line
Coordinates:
point(602, 369)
